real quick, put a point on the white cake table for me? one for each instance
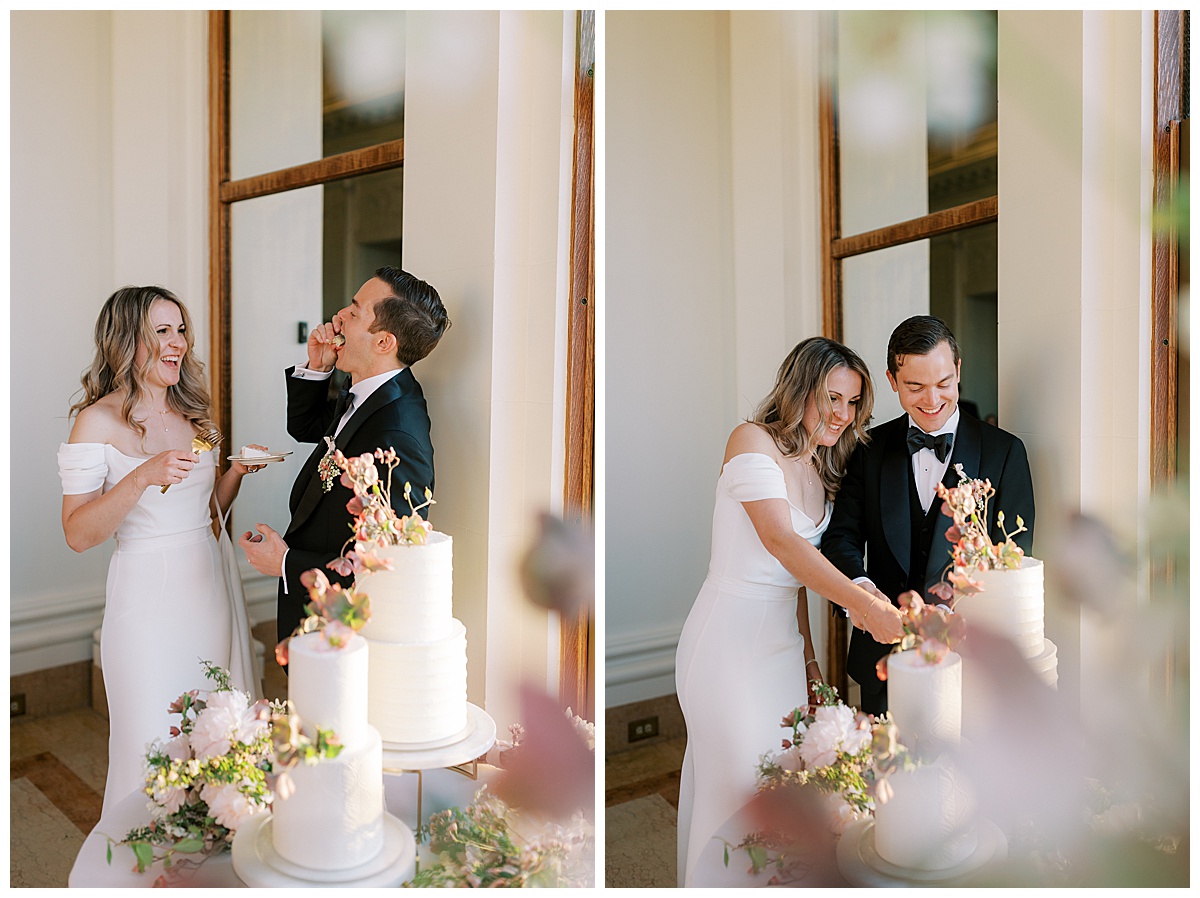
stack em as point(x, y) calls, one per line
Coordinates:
point(443, 789)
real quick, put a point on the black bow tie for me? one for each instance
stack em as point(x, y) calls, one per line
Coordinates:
point(919, 439)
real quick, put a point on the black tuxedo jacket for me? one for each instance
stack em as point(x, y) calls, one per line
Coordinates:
point(871, 531)
point(393, 416)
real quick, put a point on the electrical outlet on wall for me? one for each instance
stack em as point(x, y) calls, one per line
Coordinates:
point(645, 728)
point(16, 705)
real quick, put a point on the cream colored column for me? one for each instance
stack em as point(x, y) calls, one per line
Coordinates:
point(1074, 288)
point(485, 223)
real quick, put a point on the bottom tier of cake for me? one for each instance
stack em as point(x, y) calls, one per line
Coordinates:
point(929, 822)
point(332, 819)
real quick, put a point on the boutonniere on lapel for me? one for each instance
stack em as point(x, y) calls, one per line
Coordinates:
point(328, 468)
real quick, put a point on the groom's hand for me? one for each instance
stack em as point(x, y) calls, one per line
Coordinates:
point(264, 550)
point(322, 355)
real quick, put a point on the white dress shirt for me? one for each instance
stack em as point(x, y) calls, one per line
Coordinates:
point(927, 470)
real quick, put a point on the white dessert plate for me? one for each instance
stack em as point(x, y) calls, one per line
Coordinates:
point(259, 459)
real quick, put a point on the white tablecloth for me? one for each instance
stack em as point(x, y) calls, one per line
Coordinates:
point(442, 789)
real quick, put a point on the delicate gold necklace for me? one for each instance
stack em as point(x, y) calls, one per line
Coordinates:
point(162, 418)
point(811, 469)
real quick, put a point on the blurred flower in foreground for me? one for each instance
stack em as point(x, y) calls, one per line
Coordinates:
point(553, 773)
point(558, 573)
point(535, 825)
point(1096, 797)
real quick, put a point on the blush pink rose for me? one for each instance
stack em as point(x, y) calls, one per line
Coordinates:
point(832, 730)
point(228, 718)
point(229, 807)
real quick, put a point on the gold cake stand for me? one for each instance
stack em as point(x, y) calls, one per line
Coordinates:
point(459, 753)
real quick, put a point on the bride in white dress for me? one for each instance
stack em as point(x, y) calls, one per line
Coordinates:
point(745, 654)
point(173, 596)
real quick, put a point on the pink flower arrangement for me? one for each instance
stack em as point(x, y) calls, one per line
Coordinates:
point(337, 613)
point(227, 719)
point(845, 755)
point(376, 523)
point(973, 550)
point(228, 804)
point(837, 749)
point(207, 779)
point(835, 730)
point(933, 631)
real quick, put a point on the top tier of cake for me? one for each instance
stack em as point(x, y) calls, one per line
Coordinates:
point(925, 700)
point(413, 602)
point(328, 687)
point(1011, 604)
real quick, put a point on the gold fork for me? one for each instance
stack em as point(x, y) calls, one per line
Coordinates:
point(205, 441)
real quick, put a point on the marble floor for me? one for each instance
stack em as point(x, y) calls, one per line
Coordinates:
point(641, 797)
point(57, 768)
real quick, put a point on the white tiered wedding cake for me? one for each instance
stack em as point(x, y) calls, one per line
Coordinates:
point(417, 687)
point(328, 824)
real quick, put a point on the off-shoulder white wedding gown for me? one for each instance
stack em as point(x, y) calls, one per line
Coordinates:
point(173, 597)
point(740, 664)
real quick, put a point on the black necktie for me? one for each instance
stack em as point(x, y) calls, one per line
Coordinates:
point(940, 444)
point(344, 401)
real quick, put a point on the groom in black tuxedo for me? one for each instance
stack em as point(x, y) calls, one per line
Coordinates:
point(394, 321)
point(887, 532)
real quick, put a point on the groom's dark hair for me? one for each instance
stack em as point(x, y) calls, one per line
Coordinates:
point(414, 314)
point(919, 335)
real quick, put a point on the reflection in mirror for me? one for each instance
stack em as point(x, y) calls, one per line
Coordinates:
point(879, 290)
point(275, 284)
point(362, 78)
point(916, 95)
point(363, 220)
point(952, 276)
point(962, 292)
point(297, 258)
point(309, 84)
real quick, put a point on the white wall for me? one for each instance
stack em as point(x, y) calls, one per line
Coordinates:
point(107, 149)
point(487, 161)
point(711, 277)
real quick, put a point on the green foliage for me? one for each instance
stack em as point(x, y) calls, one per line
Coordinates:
point(478, 847)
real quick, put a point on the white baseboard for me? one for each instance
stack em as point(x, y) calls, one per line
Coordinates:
point(639, 666)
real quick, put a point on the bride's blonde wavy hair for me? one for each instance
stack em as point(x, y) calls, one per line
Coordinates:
point(805, 372)
point(123, 325)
